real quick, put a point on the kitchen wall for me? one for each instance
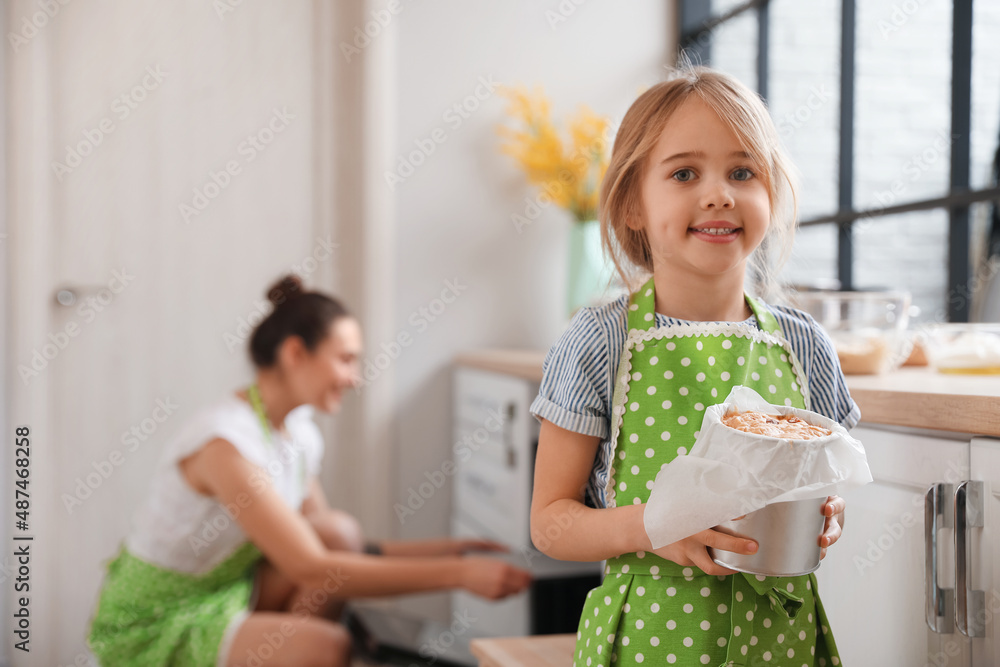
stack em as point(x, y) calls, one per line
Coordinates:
point(466, 278)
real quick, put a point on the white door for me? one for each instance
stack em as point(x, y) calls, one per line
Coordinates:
point(162, 173)
point(985, 543)
point(872, 580)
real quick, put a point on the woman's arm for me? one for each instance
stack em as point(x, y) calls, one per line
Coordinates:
point(315, 500)
point(289, 542)
point(445, 546)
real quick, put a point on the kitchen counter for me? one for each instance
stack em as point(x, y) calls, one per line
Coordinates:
point(914, 397)
point(554, 650)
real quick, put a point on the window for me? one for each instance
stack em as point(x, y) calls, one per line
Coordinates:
point(890, 109)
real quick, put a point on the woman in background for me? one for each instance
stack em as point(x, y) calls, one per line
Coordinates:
point(236, 558)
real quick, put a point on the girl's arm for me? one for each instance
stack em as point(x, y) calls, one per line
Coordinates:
point(564, 528)
point(289, 542)
point(561, 525)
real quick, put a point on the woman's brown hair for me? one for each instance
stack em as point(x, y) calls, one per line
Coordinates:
point(307, 315)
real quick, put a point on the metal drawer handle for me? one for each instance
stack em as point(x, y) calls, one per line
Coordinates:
point(940, 602)
point(971, 604)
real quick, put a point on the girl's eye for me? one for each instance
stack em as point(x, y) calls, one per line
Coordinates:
point(683, 175)
point(743, 174)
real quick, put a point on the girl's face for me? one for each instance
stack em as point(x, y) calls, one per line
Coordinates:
point(321, 377)
point(705, 208)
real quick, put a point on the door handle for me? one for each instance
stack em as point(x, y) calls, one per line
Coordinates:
point(971, 604)
point(940, 602)
point(69, 295)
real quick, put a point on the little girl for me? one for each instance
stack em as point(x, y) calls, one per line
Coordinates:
point(236, 559)
point(697, 189)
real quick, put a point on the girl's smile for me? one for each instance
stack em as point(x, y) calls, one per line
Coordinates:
point(716, 231)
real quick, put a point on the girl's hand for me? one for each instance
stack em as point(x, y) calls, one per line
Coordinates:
point(694, 550)
point(833, 510)
point(492, 579)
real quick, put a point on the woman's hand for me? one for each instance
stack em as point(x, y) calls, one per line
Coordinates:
point(445, 546)
point(460, 547)
point(833, 510)
point(693, 550)
point(492, 579)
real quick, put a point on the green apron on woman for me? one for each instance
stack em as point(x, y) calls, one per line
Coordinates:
point(150, 615)
point(649, 609)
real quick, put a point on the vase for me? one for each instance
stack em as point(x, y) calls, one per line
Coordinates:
point(590, 271)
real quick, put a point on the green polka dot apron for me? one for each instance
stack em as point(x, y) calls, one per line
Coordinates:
point(150, 616)
point(649, 609)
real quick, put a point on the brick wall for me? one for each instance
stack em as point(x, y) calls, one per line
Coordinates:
point(902, 126)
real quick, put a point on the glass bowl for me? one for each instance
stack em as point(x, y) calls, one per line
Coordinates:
point(868, 329)
point(972, 348)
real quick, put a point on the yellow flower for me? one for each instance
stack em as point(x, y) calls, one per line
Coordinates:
point(570, 174)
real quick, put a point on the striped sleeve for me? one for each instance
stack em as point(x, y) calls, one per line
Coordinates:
point(827, 385)
point(832, 397)
point(573, 391)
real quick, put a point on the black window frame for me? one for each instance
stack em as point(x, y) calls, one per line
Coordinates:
point(696, 26)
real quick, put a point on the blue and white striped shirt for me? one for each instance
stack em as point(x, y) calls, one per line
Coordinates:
point(579, 369)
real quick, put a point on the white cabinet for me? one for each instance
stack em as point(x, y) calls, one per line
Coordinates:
point(899, 542)
point(985, 550)
point(495, 439)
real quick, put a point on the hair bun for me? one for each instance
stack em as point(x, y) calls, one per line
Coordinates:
point(287, 288)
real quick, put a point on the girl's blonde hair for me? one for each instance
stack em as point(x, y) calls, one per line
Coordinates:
point(747, 116)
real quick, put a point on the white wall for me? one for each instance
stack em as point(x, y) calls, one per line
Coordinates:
point(454, 212)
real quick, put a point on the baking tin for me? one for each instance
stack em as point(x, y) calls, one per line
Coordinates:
point(787, 535)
